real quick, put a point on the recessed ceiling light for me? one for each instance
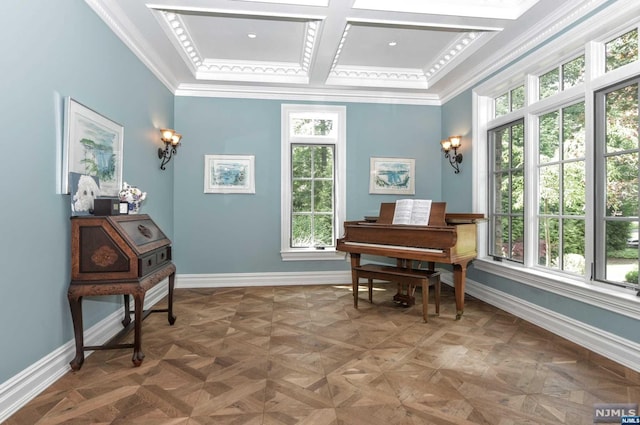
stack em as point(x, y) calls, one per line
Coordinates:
point(251, 35)
point(392, 43)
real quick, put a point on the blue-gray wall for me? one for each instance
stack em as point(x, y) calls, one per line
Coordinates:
point(457, 189)
point(54, 49)
point(240, 233)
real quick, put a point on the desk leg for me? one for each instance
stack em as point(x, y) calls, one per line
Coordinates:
point(127, 311)
point(355, 262)
point(170, 316)
point(459, 279)
point(75, 303)
point(138, 355)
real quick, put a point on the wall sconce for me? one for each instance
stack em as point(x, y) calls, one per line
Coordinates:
point(171, 141)
point(455, 158)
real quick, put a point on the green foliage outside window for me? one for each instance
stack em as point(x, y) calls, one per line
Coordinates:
point(312, 195)
point(573, 72)
point(508, 192)
point(517, 98)
point(549, 83)
point(621, 107)
point(510, 101)
point(561, 201)
point(621, 50)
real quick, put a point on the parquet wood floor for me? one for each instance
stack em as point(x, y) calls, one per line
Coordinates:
point(304, 355)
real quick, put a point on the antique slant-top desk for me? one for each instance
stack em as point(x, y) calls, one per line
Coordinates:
point(118, 255)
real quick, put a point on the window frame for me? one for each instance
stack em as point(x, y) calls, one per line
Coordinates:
point(287, 252)
point(588, 37)
point(601, 218)
point(509, 171)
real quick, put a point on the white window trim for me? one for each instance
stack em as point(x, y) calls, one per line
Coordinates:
point(302, 254)
point(616, 299)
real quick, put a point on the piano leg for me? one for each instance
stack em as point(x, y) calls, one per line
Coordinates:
point(459, 279)
point(355, 262)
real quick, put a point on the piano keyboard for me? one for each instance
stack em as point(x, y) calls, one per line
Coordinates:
point(398, 247)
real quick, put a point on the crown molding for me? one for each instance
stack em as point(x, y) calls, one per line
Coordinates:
point(563, 18)
point(362, 76)
point(120, 24)
point(302, 94)
point(229, 70)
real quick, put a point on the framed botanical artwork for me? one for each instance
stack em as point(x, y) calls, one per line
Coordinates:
point(93, 146)
point(229, 174)
point(394, 176)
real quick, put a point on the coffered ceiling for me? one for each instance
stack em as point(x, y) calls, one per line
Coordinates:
point(414, 51)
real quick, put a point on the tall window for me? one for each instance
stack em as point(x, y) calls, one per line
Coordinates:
point(561, 194)
point(313, 181)
point(507, 191)
point(312, 170)
point(617, 190)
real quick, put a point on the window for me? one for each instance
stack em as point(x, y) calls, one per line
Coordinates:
point(508, 102)
point(561, 194)
point(618, 188)
point(313, 181)
point(312, 223)
point(507, 192)
point(567, 75)
point(561, 184)
point(621, 50)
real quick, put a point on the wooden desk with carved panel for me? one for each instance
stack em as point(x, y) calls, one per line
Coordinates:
point(118, 255)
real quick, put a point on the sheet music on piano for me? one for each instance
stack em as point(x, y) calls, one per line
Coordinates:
point(412, 211)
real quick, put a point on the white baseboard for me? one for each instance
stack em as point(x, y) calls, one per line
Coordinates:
point(26, 385)
point(232, 280)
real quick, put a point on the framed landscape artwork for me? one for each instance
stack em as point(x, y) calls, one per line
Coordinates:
point(93, 146)
point(229, 174)
point(394, 176)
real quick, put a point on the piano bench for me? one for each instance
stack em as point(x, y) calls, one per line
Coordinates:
point(401, 276)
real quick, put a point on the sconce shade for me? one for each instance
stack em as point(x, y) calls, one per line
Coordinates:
point(167, 134)
point(175, 140)
point(171, 141)
point(453, 143)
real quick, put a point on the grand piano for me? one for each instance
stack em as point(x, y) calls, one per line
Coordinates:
point(447, 239)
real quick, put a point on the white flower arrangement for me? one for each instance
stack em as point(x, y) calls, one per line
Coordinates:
point(133, 196)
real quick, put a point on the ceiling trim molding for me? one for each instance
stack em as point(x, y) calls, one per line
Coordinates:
point(235, 70)
point(266, 72)
point(236, 13)
point(563, 17)
point(299, 94)
point(363, 76)
point(451, 52)
point(177, 31)
point(405, 77)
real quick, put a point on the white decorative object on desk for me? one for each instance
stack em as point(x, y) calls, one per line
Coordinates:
point(133, 196)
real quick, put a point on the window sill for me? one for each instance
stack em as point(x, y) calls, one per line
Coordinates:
point(312, 255)
point(618, 300)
